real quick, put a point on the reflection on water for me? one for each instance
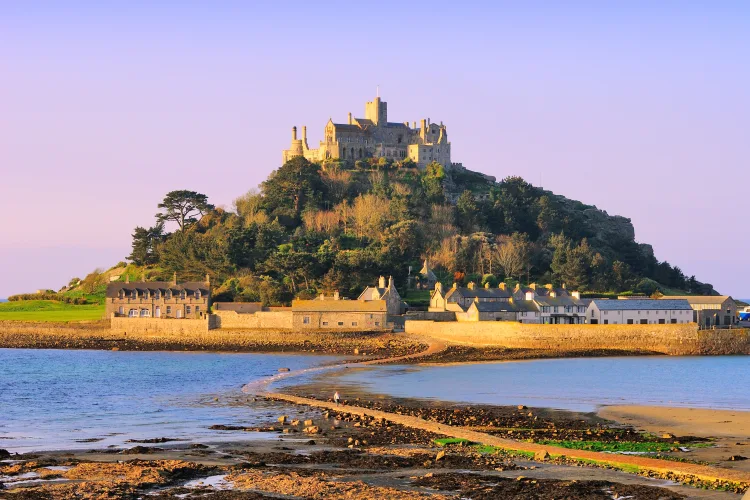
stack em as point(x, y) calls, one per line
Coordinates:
point(57, 399)
point(579, 384)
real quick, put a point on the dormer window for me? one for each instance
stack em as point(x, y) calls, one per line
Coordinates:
point(197, 294)
point(122, 294)
point(134, 295)
point(183, 294)
point(168, 294)
point(157, 294)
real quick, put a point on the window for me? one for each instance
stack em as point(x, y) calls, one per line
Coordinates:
point(187, 309)
point(145, 313)
point(341, 323)
point(630, 321)
point(662, 321)
point(606, 321)
point(183, 294)
point(644, 322)
point(306, 320)
point(122, 294)
point(134, 295)
point(169, 309)
point(121, 310)
point(673, 321)
point(197, 308)
point(377, 323)
point(325, 323)
point(133, 313)
point(157, 295)
point(197, 294)
point(354, 323)
point(168, 294)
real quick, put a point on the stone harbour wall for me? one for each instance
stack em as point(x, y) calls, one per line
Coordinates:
point(148, 326)
point(260, 319)
point(679, 339)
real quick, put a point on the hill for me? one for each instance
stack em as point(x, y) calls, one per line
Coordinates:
point(313, 228)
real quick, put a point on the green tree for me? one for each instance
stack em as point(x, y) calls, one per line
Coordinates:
point(432, 182)
point(291, 188)
point(145, 246)
point(183, 207)
point(467, 211)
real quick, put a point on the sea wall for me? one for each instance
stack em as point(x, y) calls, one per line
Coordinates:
point(679, 339)
point(160, 326)
point(260, 319)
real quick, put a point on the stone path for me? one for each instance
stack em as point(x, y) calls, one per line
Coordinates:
point(702, 472)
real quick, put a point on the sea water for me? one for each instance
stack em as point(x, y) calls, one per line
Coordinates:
point(82, 399)
point(578, 384)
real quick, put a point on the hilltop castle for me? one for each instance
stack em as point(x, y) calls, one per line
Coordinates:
point(375, 137)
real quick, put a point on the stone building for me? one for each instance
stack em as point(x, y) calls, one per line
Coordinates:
point(339, 313)
point(158, 299)
point(555, 305)
point(459, 299)
point(389, 294)
point(711, 311)
point(427, 278)
point(639, 312)
point(375, 137)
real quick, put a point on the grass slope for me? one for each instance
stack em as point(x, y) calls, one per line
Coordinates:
point(49, 310)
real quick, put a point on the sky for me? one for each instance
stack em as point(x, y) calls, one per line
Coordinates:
point(639, 108)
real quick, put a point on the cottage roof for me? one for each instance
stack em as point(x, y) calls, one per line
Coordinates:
point(339, 305)
point(479, 292)
point(558, 301)
point(494, 306)
point(642, 304)
point(525, 306)
point(113, 289)
point(699, 299)
point(427, 272)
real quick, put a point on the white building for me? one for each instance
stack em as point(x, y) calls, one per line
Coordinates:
point(639, 312)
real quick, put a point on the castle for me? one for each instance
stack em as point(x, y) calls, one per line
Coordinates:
point(375, 137)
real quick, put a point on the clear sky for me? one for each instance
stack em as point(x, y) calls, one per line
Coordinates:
point(640, 108)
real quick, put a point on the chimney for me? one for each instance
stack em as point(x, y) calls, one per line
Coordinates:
point(532, 286)
point(304, 133)
point(390, 281)
point(472, 285)
point(423, 124)
point(549, 286)
point(487, 285)
point(336, 295)
point(127, 278)
point(143, 276)
point(428, 122)
point(576, 295)
point(350, 118)
point(501, 286)
point(455, 285)
point(529, 295)
point(174, 275)
point(381, 282)
point(439, 287)
point(414, 125)
point(294, 133)
point(552, 294)
point(208, 280)
point(563, 286)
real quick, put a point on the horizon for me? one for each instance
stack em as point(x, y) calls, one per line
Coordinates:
point(639, 110)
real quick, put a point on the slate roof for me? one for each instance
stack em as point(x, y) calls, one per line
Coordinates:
point(339, 306)
point(345, 127)
point(558, 301)
point(113, 289)
point(480, 292)
point(518, 306)
point(643, 305)
point(699, 299)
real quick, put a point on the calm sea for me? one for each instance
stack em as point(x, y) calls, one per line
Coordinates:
point(57, 399)
point(580, 384)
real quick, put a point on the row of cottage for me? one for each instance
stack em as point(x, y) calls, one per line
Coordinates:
point(550, 305)
point(379, 306)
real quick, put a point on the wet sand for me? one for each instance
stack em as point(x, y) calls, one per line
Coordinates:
point(728, 429)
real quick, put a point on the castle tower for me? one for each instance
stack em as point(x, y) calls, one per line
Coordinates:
point(377, 111)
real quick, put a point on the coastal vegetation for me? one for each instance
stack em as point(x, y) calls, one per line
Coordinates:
point(315, 228)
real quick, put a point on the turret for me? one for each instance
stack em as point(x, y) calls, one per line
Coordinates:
point(294, 133)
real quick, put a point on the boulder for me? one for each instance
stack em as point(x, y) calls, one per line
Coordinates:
point(308, 423)
point(737, 458)
point(541, 456)
point(667, 435)
point(282, 419)
point(4, 454)
point(313, 429)
point(440, 456)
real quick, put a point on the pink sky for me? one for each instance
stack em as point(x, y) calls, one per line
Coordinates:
point(642, 111)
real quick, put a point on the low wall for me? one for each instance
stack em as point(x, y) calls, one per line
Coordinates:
point(260, 319)
point(680, 339)
point(160, 326)
point(431, 316)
